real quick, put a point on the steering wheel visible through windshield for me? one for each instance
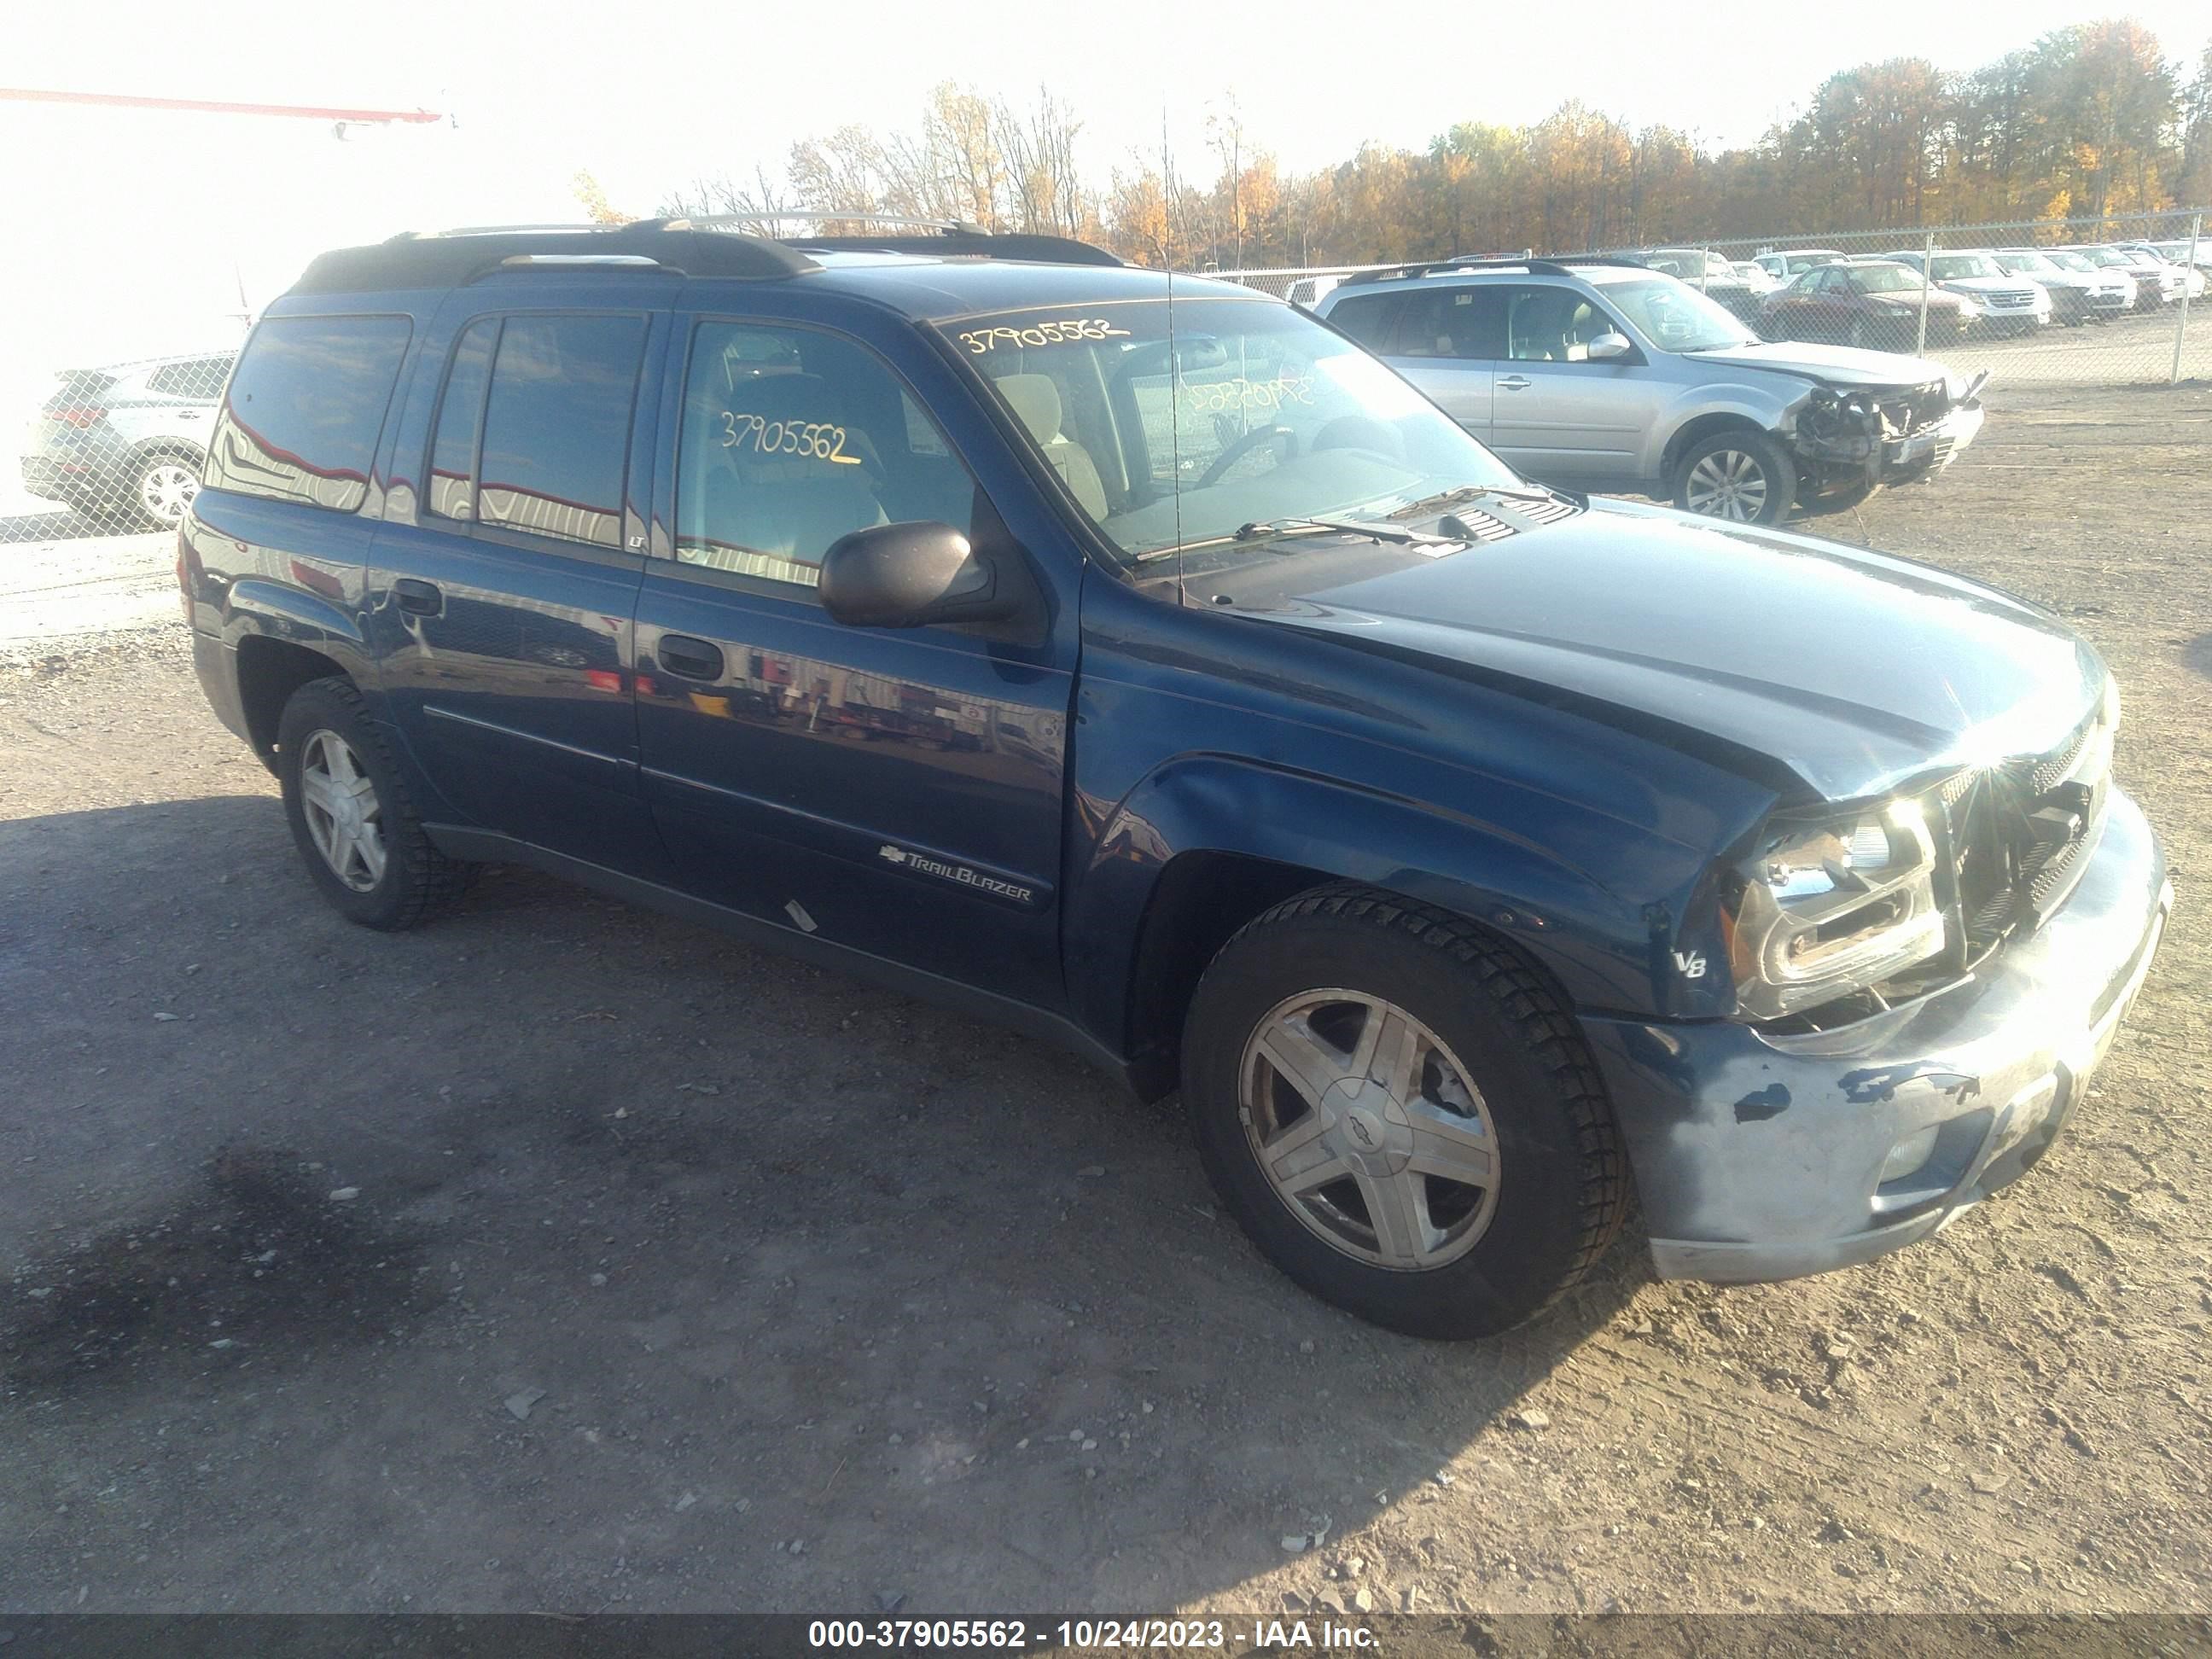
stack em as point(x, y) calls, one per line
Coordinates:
point(1254, 416)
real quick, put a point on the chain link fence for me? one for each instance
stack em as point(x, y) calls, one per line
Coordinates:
point(2105, 302)
point(111, 444)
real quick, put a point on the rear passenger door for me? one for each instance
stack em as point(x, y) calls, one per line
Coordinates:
point(1560, 417)
point(895, 791)
point(504, 579)
point(1444, 342)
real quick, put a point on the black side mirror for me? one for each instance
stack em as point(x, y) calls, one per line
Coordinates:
point(911, 574)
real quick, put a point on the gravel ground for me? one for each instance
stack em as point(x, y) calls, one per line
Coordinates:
point(563, 1258)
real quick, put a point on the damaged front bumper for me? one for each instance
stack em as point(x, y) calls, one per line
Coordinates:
point(1846, 442)
point(1761, 1156)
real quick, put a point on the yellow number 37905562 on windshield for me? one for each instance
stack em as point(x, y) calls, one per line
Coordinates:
point(1042, 334)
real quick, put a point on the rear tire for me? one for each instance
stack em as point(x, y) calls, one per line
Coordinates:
point(1738, 474)
point(350, 814)
point(1480, 1174)
point(162, 489)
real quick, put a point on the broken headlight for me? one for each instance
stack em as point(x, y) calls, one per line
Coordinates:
point(1840, 422)
point(1830, 906)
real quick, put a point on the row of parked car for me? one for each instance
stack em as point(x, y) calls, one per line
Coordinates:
point(1816, 293)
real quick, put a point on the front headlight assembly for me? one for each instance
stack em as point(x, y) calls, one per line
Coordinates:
point(1826, 907)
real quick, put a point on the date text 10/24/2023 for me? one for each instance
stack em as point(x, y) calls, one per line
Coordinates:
point(1088, 1635)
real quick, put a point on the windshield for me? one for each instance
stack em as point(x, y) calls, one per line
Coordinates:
point(2020, 262)
point(2107, 256)
point(1887, 279)
point(1675, 317)
point(2067, 260)
point(1950, 267)
point(1260, 415)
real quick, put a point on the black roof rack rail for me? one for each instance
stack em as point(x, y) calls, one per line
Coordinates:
point(451, 258)
point(684, 247)
point(968, 244)
point(1559, 265)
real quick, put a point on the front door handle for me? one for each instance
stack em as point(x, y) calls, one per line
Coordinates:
point(419, 599)
point(689, 658)
point(1515, 383)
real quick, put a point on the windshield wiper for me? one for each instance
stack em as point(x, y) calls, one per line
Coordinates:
point(1467, 493)
point(1268, 529)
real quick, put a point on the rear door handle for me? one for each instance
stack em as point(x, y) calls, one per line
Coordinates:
point(419, 599)
point(689, 658)
point(1515, 383)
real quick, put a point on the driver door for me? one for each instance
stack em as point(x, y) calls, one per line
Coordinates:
point(1559, 416)
point(897, 791)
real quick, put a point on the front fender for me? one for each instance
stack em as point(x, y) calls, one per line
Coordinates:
point(1607, 950)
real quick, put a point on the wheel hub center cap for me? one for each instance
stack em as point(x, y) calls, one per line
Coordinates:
point(1368, 1129)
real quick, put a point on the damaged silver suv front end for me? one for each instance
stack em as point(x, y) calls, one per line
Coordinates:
point(1852, 439)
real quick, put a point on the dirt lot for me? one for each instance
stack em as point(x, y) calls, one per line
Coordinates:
point(564, 1258)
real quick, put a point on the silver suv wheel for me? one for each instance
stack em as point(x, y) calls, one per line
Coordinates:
point(1729, 483)
point(166, 491)
point(1366, 1127)
point(345, 819)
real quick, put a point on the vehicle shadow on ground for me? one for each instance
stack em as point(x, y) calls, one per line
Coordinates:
point(558, 1246)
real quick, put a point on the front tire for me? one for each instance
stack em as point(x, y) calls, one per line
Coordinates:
point(350, 814)
point(1401, 1115)
point(1739, 475)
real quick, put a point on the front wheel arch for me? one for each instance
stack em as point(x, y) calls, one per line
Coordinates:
point(1745, 459)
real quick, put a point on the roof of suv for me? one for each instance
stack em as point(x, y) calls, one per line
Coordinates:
point(1591, 268)
point(957, 271)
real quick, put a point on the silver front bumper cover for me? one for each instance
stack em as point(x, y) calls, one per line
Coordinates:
point(1763, 1158)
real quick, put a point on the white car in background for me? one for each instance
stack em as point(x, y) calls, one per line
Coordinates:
point(1789, 264)
point(2001, 302)
point(1756, 277)
point(2192, 277)
point(2081, 289)
point(2156, 283)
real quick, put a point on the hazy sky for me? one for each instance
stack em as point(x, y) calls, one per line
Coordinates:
point(144, 227)
point(647, 95)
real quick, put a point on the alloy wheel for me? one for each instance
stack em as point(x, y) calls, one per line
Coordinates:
point(1369, 1130)
point(1729, 483)
point(344, 817)
point(166, 491)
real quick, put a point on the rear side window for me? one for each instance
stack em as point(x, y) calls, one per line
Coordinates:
point(1366, 318)
point(305, 410)
point(543, 446)
point(460, 417)
point(201, 379)
point(1452, 322)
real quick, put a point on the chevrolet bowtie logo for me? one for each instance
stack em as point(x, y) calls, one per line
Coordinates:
point(894, 854)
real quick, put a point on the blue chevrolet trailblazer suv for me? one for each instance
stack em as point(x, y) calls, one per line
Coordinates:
point(1136, 661)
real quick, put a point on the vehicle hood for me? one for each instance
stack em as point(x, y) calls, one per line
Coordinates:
point(1836, 365)
point(1813, 666)
point(1987, 284)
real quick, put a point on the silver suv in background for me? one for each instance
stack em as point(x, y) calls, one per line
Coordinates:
point(127, 439)
point(1599, 375)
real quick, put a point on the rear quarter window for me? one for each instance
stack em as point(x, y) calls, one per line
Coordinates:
point(1366, 317)
point(306, 408)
